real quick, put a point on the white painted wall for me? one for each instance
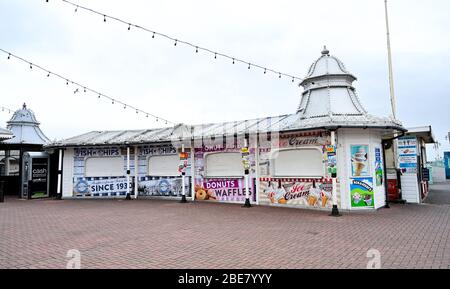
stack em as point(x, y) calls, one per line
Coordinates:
point(410, 188)
point(438, 174)
point(67, 180)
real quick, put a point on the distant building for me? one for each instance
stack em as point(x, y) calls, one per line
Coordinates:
point(25, 138)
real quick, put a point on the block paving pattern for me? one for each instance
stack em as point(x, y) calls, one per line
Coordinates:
point(168, 234)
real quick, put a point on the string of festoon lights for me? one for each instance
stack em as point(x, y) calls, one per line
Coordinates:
point(176, 41)
point(4, 108)
point(80, 88)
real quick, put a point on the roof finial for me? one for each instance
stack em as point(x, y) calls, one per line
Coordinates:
point(325, 51)
point(24, 106)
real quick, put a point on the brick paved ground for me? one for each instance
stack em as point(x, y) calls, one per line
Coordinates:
point(440, 194)
point(167, 234)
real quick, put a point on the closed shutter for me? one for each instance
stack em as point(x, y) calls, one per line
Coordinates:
point(224, 165)
point(304, 162)
point(104, 167)
point(163, 166)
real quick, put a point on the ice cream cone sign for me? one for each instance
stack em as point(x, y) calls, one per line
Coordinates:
point(359, 160)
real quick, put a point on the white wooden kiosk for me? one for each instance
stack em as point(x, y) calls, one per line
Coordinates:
point(326, 155)
point(412, 159)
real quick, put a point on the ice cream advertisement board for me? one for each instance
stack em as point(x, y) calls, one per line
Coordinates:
point(296, 192)
point(223, 190)
point(361, 193)
point(359, 159)
point(379, 174)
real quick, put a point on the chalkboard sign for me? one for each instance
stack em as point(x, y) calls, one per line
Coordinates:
point(426, 175)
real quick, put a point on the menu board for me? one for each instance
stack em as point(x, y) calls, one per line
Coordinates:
point(407, 154)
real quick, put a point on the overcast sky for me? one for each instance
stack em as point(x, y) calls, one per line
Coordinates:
point(176, 83)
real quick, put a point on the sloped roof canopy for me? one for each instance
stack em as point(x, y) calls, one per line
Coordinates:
point(426, 133)
point(329, 101)
point(25, 128)
point(5, 134)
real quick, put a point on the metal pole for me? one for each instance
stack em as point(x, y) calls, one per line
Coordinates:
point(128, 197)
point(183, 179)
point(136, 172)
point(192, 170)
point(246, 181)
point(7, 153)
point(391, 77)
point(335, 210)
point(386, 186)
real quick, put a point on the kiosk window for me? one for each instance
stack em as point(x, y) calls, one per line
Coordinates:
point(104, 167)
point(164, 166)
point(224, 165)
point(305, 162)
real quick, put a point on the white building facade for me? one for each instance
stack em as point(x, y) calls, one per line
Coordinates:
point(328, 153)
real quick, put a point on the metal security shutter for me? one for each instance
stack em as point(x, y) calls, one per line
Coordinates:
point(224, 165)
point(164, 166)
point(104, 167)
point(305, 162)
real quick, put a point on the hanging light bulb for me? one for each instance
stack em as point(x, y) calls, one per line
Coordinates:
point(175, 44)
point(99, 95)
point(233, 60)
point(293, 79)
point(196, 49)
point(265, 70)
point(279, 75)
point(146, 115)
point(249, 66)
point(9, 55)
point(215, 55)
point(137, 111)
point(84, 89)
point(76, 9)
point(153, 36)
point(129, 26)
point(104, 18)
point(125, 106)
point(67, 82)
point(157, 119)
point(112, 101)
point(48, 74)
point(31, 66)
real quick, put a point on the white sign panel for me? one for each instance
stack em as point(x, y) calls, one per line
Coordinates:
point(407, 154)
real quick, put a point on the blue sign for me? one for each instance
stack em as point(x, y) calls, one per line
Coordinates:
point(447, 164)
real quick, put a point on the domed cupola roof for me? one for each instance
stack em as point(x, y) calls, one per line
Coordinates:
point(328, 90)
point(327, 65)
point(25, 128)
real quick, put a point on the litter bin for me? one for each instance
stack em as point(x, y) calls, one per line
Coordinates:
point(2, 191)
